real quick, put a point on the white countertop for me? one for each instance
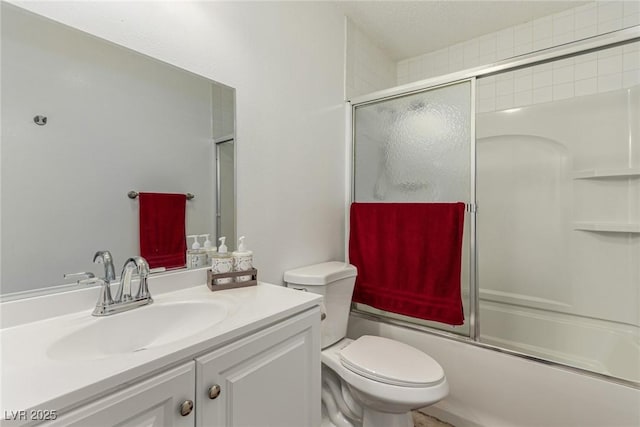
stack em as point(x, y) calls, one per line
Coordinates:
point(31, 379)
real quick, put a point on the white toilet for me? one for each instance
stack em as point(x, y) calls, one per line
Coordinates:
point(371, 381)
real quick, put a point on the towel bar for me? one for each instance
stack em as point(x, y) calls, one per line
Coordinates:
point(134, 194)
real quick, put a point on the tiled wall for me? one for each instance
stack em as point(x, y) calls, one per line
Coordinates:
point(369, 68)
point(604, 71)
point(597, 72)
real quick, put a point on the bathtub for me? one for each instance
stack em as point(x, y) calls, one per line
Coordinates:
point(597, 345)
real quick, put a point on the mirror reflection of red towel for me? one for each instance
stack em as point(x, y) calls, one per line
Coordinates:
point(162, 229)
point(409, 258)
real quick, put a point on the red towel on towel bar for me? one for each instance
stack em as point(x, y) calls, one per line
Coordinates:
point(162, 229)
point(409, 258)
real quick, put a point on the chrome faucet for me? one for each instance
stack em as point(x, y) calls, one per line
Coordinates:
point(123, 301)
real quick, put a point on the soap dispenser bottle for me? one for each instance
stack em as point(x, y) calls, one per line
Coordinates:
point(208, 248)
point(222, 262)
point(196, 257)
point(242, 260)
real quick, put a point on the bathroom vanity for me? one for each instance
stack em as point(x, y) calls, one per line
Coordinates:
point(239, 357)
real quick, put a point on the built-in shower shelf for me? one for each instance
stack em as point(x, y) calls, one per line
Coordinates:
point(606, 173)
point(611, 227)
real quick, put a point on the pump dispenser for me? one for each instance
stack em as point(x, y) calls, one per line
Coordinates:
point(196, 257)
point(223, 248)
point(196, 243)
point(222, 262)
point(208, 248)
point(242, 260)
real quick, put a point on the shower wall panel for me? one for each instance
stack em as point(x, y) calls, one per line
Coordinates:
point(558, 190)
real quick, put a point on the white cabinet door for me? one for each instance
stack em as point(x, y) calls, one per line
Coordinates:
point(270, 378)
point(151, 403)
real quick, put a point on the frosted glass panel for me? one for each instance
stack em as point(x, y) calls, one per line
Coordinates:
point(415, 148)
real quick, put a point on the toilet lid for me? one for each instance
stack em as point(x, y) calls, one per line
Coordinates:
point(391, 362)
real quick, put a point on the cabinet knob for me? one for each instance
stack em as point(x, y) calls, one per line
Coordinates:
point(186, 407)
point(214, 391)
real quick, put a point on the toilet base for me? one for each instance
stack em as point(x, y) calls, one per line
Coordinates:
point(373, 418)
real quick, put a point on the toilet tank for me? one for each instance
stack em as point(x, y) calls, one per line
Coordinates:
point(334, 281)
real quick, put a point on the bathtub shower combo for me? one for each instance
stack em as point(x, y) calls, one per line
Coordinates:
point(551, 248)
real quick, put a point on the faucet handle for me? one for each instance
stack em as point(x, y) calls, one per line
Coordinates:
point(104, 257)
point(86, 274)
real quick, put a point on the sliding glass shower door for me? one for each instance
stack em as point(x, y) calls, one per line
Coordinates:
point(558, 186)
point(418, 147)
point(553, 155)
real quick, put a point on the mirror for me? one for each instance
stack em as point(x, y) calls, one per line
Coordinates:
point(84, 122)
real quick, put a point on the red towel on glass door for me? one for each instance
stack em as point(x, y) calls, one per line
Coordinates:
point(409, 258)
point(162, 229)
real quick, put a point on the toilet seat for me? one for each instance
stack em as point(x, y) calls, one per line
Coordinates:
point(391, 362)
point(373, 392)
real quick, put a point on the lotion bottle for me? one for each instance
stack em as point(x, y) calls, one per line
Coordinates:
point(196, 257)
point(222, 262)
point(242, 260)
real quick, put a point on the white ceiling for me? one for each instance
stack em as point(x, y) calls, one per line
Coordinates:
point(409, 28)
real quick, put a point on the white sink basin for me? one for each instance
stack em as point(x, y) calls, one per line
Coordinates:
point(137, 330)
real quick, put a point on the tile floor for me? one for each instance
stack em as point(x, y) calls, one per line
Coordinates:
point(419, 420)
point(424, 420)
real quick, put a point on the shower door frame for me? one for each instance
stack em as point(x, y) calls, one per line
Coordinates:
point(592, 44)
point(470, 207)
